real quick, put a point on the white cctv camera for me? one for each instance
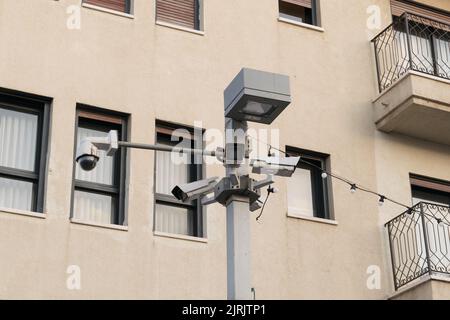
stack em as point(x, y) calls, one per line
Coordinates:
point(195, 190)
point(283, 167)
point(88, 151)
point(87, 155)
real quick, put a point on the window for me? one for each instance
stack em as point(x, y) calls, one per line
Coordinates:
point(308, 193)
point(430, 44)
point(23, 151)
point(430, 47)
point(435, 194)
point(116, 5)
point(173, 216)
point(185, 13)
point(304, 11)
point(430, 190)
point(98, 195)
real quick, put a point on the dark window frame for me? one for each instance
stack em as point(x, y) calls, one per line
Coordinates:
point(321, 188)
point(315, 21)
point(40, 106)
point(129, 6)
point(430, 186)
point(96, 118)
point(197, 172)
point(197, 18)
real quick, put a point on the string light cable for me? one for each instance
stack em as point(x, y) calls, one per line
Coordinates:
point(270, 190)
point(353, 186)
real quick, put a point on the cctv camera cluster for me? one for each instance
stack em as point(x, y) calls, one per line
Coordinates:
point(238, 185)
point(253, 95)
point(88, 157)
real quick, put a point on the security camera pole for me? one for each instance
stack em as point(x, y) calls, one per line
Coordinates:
point(238, 215)
point(254, 96)
point(258, 97)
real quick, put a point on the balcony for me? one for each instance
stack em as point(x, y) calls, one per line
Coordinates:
point(413, 66)
point(420, 244)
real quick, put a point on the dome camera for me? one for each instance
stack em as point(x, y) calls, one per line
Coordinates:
point(88, 162)
point(88, 150)
point(87, 155)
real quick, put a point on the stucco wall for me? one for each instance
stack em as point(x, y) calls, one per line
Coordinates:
point(154, 72)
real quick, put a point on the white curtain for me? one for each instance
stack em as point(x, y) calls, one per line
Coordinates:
point(422, 56)
point(300, 193)
point(396, 58)
point(170, 172)
point(443, 56)
point(16, 194)
point(439, 243)
point(94, 207)
point(18, 136)
point(438, 235)
point(175, 220)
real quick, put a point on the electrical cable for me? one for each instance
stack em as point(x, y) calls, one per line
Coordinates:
point(264, 205)
point(353, 186)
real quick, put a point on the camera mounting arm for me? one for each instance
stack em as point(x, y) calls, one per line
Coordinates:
point(157, 147)
point(87, 154)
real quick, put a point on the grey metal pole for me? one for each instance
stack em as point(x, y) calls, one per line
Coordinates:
point(238, 222)
point(238, 249)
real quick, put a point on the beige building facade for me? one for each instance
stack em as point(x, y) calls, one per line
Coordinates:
point(85, 58)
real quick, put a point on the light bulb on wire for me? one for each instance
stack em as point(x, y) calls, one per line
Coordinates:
point(381, 201)
point(272, 190)
point(353, 186)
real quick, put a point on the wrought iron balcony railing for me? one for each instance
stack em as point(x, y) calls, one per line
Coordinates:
point(420, 243)
point(415, 43)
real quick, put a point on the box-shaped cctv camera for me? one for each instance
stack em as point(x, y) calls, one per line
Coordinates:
point(257, 96)
point(282, 167)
